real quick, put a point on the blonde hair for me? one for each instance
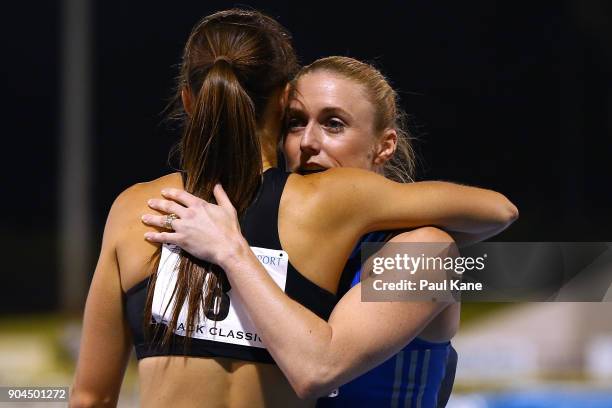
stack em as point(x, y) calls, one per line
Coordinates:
point(387, 112)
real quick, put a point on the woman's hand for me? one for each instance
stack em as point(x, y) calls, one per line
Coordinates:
point(207, 231)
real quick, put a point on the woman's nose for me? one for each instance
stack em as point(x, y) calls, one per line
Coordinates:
point(311, 141)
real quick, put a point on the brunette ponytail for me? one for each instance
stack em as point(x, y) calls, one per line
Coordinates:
point(233, 62)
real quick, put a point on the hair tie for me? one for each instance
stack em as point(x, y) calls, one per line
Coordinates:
point(222, 58)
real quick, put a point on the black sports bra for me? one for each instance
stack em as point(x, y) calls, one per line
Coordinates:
point(231, 334)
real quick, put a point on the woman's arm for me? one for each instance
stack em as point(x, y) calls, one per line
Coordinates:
point(316, 356)
point(105, 342)
point(377, 203)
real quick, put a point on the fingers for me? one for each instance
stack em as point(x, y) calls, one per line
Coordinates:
point(221, 197)
point(158, 221)
point(167, 206)
point(162, 237)
point(181, 196)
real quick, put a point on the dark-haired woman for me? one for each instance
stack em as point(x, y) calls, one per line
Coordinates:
point(194, 340)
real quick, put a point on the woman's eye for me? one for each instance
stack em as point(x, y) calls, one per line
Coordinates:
point(335, 125)
point(294, 124)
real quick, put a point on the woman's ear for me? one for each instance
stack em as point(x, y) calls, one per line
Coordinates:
point(284, 97)
point(186, 97)
point(385, 147)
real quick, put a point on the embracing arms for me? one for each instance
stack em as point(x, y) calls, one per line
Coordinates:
point(473, 213)
point(316, 356)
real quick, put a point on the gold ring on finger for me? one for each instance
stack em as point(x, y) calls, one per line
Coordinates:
point(169, 219)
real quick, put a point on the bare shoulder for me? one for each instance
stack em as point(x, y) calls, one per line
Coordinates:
point(125, 230)
point(341, 191)
point(330, 203)
point(341, 183)
point(134, 198)
point(139, 190)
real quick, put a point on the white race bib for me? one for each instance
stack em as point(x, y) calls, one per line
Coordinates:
point(236, 327)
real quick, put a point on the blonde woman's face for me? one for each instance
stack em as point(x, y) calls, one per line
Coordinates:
point(331, 124)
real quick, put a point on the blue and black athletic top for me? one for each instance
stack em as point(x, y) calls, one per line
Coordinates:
point(419, 376)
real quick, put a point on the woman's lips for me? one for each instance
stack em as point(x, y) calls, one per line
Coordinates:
point(311, 168)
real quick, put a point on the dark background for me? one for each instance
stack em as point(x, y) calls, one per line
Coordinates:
point(510, 96)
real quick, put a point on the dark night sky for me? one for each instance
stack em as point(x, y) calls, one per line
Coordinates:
point(506, 96)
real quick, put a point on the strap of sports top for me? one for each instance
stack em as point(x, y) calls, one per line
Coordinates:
point(259, 224)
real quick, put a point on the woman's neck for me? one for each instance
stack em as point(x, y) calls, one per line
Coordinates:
point(268, 133)
point(269, 157)
point(270, 128)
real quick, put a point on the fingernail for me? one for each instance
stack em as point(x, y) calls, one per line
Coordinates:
point(150, 202)
point(144, 218)
point(164, 192)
